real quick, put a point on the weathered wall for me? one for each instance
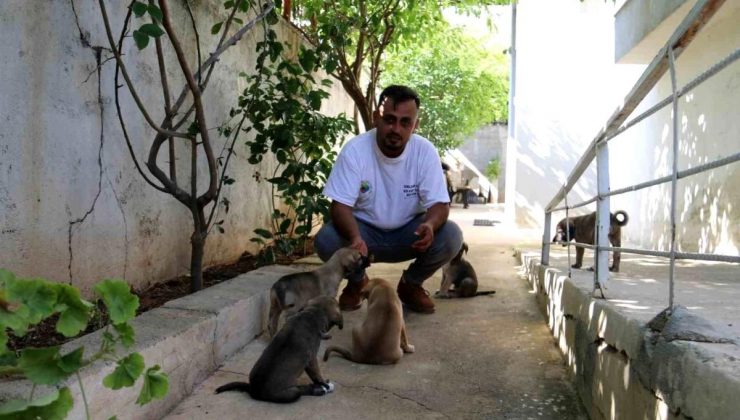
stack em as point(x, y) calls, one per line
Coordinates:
point(486, 144)
point(72, 206)
point(708, 210)
point(568, 85)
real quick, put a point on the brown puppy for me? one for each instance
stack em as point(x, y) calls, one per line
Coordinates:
point(583, 229)
point(293, 350)
point(381, 339)
point(291, 292)
point(460, 274)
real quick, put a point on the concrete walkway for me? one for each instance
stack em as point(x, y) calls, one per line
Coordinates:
point(488, 357)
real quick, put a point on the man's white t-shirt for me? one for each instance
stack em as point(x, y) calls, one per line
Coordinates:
point(387, 192)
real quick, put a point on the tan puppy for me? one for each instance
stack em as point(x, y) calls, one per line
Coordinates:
point(291, 292)
point(381, 339)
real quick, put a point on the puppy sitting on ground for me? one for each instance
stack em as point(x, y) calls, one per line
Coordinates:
point(381, 339)
point(293, 350)
point(291, 292)
point(460, 274)
point(583, 229)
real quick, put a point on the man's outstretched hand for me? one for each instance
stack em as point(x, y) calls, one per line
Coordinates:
point(425, 232)
point(359, 245)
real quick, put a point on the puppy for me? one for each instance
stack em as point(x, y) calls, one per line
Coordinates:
point(583, 229)
point(460, 274)
point(381, 339)
point(291, 292)
point(293, 350)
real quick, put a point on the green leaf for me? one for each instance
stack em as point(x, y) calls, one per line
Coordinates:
point(228, 4)
point(237, 21)
point(72, 362)
point(216, 28)
point(125, 333)
point(139, 8)
point(6, 276)
point(263, 233)
point(155, 13)
point(41, 366)
point(38, 295)
point(156, 385)
point(128, 370)
point(74, 311)
point(151, 29)
point(285, 225)
point(119, 300)
point(141, 39)
point(53, 406)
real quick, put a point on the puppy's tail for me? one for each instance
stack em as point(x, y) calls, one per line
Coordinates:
point(234, 386)
point(485, 292)
point(624, 220)
point(342, 352)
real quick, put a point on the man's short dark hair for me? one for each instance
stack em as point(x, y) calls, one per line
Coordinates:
point(399, 93)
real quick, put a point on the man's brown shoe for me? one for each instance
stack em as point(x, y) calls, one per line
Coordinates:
point(351, 297)
point(415, 297)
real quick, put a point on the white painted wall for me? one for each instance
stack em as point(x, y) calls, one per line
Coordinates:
point(567, 87)
point(72, 207)
point(708, 204)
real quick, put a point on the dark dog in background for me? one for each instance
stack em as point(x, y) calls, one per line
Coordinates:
point(460, 274)
point(292, 351)
point(583, 229)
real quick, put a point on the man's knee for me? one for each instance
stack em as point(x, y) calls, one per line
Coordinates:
point(449, 239)
point(327, 241)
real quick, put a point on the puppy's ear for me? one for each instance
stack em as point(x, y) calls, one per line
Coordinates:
point(465, 247)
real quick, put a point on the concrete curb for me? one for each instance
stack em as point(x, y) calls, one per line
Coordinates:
point(188, 337)
point(624, 370)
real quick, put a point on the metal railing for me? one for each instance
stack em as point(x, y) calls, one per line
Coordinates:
point(664, 61)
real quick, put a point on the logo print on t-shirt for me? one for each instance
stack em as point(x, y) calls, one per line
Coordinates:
point(364, 186)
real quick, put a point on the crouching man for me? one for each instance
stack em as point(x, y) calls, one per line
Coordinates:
point(389, 198)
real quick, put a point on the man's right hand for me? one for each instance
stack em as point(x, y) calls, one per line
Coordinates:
point(359, 245)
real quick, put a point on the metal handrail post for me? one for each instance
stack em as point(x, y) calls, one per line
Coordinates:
point(674, 179)
point(545, 256)
point(601, 256)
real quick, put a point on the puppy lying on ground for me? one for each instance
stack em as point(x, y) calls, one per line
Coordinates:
point(291, 292)
point(293, 350)
point(460, 274)
point(583, 229)
point(381, 339)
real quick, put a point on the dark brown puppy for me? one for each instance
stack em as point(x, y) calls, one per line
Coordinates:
point(583, 229)
point(460, 274)
point(292, 351)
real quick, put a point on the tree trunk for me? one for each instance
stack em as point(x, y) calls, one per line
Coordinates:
point(197, 245)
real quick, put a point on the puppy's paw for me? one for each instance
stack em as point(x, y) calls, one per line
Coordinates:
point(409, 348)
point(329, 386)
point(590, 269)
point(441, 295)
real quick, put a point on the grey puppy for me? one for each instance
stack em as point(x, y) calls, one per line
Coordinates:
point(291, 352)
point(291, 292)
point(460, 274)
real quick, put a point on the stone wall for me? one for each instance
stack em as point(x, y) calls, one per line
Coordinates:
point(73, 208)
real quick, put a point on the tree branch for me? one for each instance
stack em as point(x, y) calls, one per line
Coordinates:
point(129, 83)
point(197, 101)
